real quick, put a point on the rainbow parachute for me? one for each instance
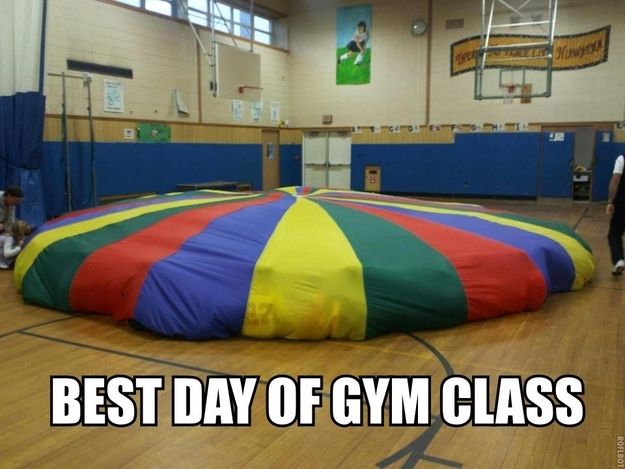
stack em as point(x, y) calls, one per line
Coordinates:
point(298, 263)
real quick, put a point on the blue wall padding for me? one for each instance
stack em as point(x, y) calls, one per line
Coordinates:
point(290, 165)
point(605, 156)
point(518, 164)
point(556, 166)
point(500, 164)
point(125, 168)
point(406, 167)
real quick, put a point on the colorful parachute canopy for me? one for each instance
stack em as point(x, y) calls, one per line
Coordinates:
point(298, 263)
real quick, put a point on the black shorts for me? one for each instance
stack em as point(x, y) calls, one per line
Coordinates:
point(354, 47)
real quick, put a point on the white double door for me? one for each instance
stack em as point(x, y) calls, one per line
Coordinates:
point(327, 158)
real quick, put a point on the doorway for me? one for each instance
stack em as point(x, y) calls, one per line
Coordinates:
point(565, 148)
point(271, 159)
point(327, 158)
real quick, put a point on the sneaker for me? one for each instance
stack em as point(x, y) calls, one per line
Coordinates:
point(619, 267)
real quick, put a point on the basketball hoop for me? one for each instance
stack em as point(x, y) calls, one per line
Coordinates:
point(508, 90)
point(243, 88)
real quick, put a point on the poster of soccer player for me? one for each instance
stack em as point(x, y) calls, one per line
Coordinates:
point(353, 45)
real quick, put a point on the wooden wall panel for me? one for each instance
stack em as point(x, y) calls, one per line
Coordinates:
point(112, 130)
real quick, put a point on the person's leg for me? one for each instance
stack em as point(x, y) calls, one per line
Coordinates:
point(615, 235)
point(345, 56)
point(361, 55)
point(350, 48)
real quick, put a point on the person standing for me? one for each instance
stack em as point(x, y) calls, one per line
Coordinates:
point(9, 199)
point(616, 211)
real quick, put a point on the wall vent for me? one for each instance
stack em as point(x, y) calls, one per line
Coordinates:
point(79, 66)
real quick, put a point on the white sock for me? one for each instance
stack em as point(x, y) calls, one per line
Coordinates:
point(359, 59)
point(343, 57)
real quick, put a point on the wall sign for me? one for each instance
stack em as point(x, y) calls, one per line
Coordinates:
point(570, 52)
point(113, 96)
point(237, 109)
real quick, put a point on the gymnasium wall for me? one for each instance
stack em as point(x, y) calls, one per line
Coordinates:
point(143, 168)
point(163, 55)
point(509, 163)
point(592, 94)
point(396, 94)
point(455, 169)
point(208, 144)
point(290, 157)
point(197, 152)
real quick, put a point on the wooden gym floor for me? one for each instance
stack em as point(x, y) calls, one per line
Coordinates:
point(581, 333)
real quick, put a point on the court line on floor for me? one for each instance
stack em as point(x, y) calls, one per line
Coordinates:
point(608, 288)
point(415, 450)
point(441, 358)
point(581, 217)
point(159, 361)
point(53, 321)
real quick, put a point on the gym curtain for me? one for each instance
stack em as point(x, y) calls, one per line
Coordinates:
point(22, 103)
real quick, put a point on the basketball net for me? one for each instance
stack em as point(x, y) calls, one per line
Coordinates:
point(508, 92)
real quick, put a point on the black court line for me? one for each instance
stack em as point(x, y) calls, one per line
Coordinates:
point(416, 449)
point(608, 288)
point(441, 358)
point(17, 331)
point(135, 356)
point(581, 217)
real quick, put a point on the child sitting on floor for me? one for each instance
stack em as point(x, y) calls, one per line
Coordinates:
point(11, 243)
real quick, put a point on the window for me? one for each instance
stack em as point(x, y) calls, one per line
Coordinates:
point(228, 18)
point(231, 20)
point(241, 22)
point(198, 12)
point(164, 7)
point(134, 3)
point(198, 18)
point(262, 30)
point(201, 5)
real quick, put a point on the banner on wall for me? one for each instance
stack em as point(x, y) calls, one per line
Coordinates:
point(353, 45)
point(570, 52)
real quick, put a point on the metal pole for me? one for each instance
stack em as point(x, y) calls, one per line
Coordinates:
point(213, 49)
point(65, 148)
point(477, 84)
point(490, 23)
point(87, 82)
point(251, 25)
point(553, 6)
point(327, 163)
point(209, 57)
